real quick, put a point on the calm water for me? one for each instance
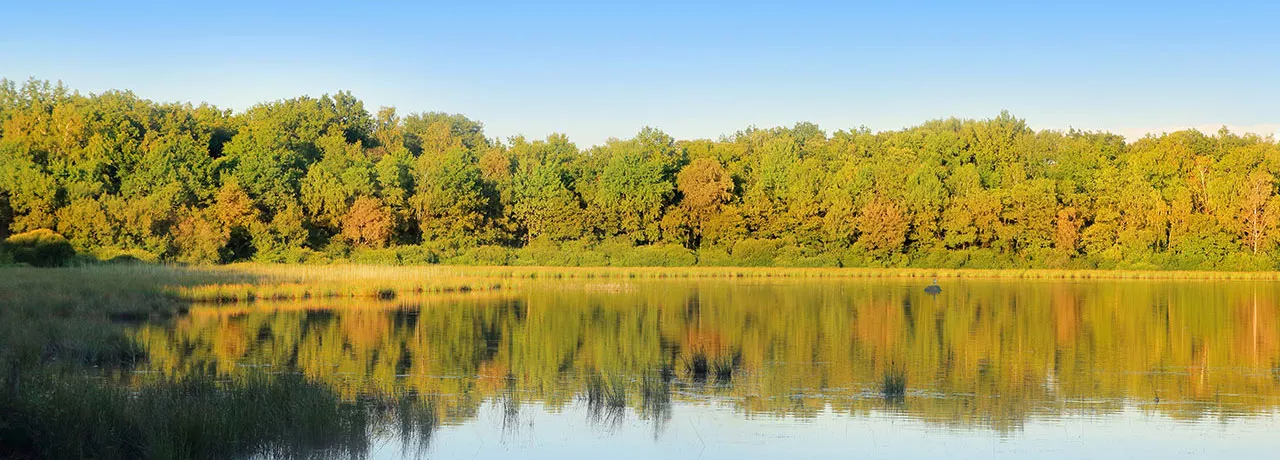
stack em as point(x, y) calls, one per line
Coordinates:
point(721, 369)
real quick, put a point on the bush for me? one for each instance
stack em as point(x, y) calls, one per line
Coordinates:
point(654, 255)
point(986, 258)
point(41, 248)
point(939, 258)
point(375, 256)
point(292, 256)
point(542, 253)
point(125, 256)
point(482, 255)
point(790, 256)
point(755, 253)
point(583, 254)
point(547, 253)
point(1244, 262)
point(714, 257)
point(416, 255)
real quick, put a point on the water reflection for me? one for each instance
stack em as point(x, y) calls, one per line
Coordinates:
point(987, 355)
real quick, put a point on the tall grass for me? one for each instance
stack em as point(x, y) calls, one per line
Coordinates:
point(606, 399)
point(699, 366)
point(294, 282)
point(62, 343)
point(894, 385)
point(277, 416)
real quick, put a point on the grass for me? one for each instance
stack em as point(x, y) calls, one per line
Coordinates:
point(655, 397)
point(894, 385)
point(820, 273)
point(606, 399)
point(62, 345)
point(296, 282)
point(138, 291)
point(699, 366)
point(281, 416)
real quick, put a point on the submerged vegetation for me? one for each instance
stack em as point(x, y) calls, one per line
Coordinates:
point(324, 180)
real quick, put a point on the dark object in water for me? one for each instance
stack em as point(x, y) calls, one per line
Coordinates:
point(894, 386)
point(933, 289)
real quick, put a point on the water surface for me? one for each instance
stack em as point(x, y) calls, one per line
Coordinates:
point(752, 368)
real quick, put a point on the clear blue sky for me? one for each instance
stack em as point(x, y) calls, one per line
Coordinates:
point(596, 70)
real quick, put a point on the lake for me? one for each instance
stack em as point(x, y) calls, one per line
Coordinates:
point(759, 368)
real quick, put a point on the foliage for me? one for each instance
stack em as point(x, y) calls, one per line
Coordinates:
point(286, 180)
point(41, 248)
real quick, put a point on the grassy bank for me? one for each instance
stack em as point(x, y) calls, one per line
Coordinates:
point(837, 273)
point(139, 291)
point(277, 416)
point(63, 352)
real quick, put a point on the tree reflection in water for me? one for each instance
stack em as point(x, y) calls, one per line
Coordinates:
point(988, 354)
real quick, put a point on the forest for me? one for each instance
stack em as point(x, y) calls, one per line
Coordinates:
point(114, 176)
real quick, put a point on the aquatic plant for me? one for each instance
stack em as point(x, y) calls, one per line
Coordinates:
point(894, 385)
point(700, 366)
point(606, 399)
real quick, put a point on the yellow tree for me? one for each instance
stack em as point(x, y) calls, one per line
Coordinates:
point(882, 226)
point(1257, 213)
point(705, 187)
point(368, 223)
point(1066, 236)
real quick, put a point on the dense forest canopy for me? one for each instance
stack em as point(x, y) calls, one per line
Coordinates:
point(324, 179)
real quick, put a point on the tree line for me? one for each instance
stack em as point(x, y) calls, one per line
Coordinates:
point(324, 179)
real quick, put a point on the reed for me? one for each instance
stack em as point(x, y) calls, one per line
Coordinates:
point(894, 385)
point(69, 416)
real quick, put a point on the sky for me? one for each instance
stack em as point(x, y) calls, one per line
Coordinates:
point(596, 70)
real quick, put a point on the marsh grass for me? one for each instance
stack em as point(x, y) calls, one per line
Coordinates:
point(294, 282)
point(139, 291)
point(557, 273)
point(63, 344)
point(655, 397)
point(699, 366)
point(893, 385)
point(606, 399)
point(278, 416)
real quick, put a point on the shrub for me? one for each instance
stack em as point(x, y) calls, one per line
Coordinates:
point(755, 252)
point(292, 256)
point(125, 256)
point(583, 253)
point(714, 257)
point(654, 255)
point(482, 255)
point(41, 248)
point(375, 256)
point(542, 253)
point(790, 256)
point(416, 255)
point(939, 258)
